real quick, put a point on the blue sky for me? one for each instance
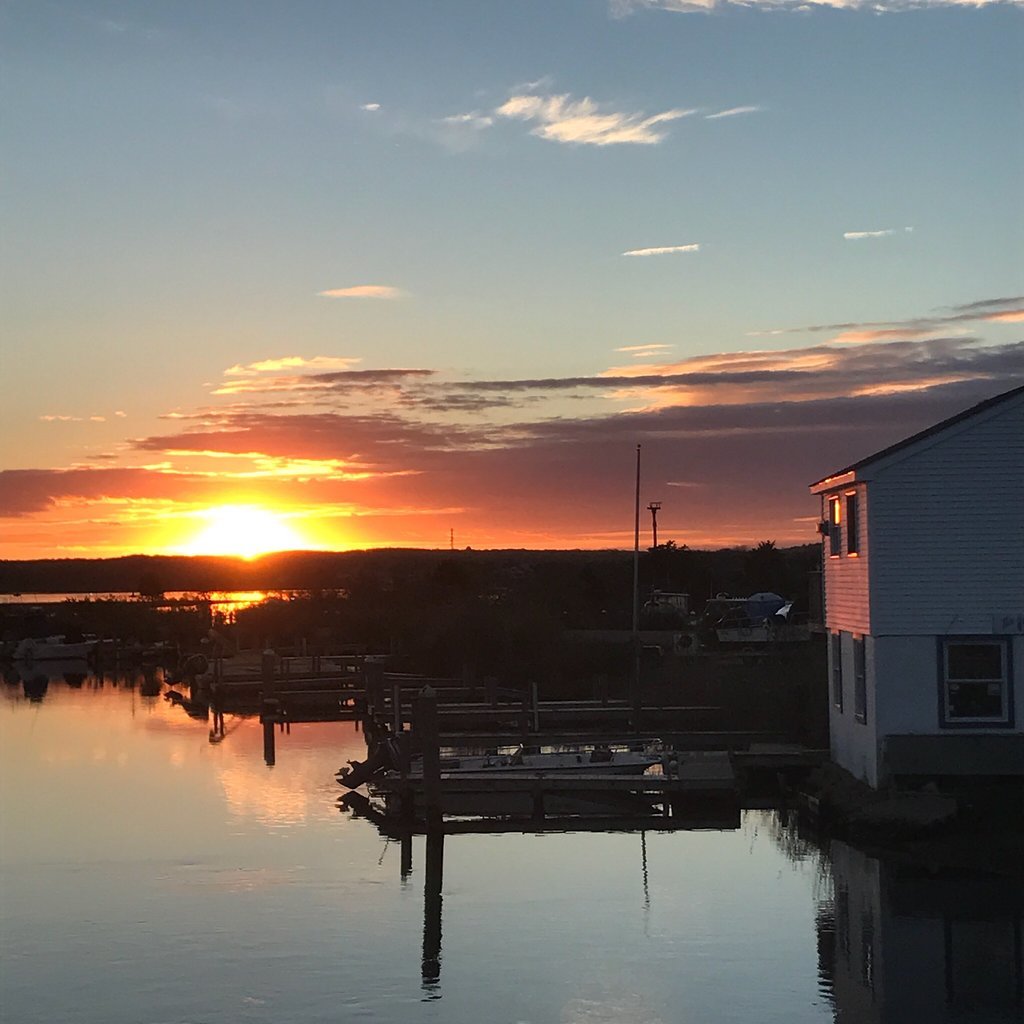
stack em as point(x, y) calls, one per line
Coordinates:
point(197, 194)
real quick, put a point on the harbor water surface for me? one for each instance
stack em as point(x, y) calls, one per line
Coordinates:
point(153, 873)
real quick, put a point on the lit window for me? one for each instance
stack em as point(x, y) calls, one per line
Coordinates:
point(852, 525)
point(860, 683)
point(835, 527)
point(975, 682)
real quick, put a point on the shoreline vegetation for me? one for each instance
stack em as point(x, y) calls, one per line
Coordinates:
point(702, 573)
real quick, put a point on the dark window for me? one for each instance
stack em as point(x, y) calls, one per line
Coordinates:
point(852, 525)
point(860, 683)
point(837, 671)
point(835, 526)
point(975, 682)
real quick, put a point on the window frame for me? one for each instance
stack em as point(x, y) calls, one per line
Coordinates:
point(836, 650)
point(852, 522)
point(834, 507)
point(860, 679)
point(1005, 645)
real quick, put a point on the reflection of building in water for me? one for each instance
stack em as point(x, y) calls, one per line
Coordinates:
point(903, 944)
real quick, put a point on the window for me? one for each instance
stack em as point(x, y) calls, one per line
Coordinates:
point(852, 525)
point(835, 527)
point(837, 671)
point(860, 683)
point(974, 676)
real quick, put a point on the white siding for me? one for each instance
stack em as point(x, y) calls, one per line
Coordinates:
point(854, 744)
point(846, 576)
point(907, 702)
point(946, 530)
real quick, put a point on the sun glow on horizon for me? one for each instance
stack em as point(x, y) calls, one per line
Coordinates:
point(246, 531)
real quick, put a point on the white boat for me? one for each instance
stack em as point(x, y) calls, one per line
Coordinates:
point(52, 648)
point(596, 761)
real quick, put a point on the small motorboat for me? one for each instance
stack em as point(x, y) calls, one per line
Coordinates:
point(52, 648)
point(598, 760)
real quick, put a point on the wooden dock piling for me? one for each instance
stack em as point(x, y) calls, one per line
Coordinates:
point(427, 730)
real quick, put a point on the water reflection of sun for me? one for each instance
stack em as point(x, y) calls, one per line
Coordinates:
point(244, 530)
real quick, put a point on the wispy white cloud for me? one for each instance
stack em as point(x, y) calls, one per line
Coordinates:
point(883, 233)
point(622, 8)
point(664, 250)
point(731, 112)
point(364, 291)
point(370, 107)
point(474, 120)
point(646, 351)
point(52, 417)
point(563, 119)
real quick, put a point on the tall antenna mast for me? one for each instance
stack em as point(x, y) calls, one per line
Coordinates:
point(653, 509)
point(636, 555)
point(635, 680)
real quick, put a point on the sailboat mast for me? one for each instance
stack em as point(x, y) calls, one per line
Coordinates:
point(636, 554)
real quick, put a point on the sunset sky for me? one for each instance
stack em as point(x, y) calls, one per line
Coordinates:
point(358, 273)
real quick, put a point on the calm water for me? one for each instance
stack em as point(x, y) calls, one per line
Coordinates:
point(226, 601)
point(150, 876)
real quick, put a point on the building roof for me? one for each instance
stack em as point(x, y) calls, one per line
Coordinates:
point(936, 428)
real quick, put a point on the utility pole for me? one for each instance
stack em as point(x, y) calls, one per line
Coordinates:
point(635, 680)
point(653, 509)
point(636, 555)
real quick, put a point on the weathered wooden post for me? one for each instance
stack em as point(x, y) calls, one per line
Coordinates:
point(268, 665)
point(538, 800)
point(396, 707)
point(406, 796)
point(373, 683)
point(404, 743)
point(430, 743)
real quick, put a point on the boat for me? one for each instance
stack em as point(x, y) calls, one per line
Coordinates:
point(598, 760)
point(763, 618)
point(52, 648)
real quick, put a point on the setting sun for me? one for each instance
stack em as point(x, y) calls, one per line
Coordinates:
point(244, 530)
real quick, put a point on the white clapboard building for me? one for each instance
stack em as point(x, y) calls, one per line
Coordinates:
point(924, 600)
